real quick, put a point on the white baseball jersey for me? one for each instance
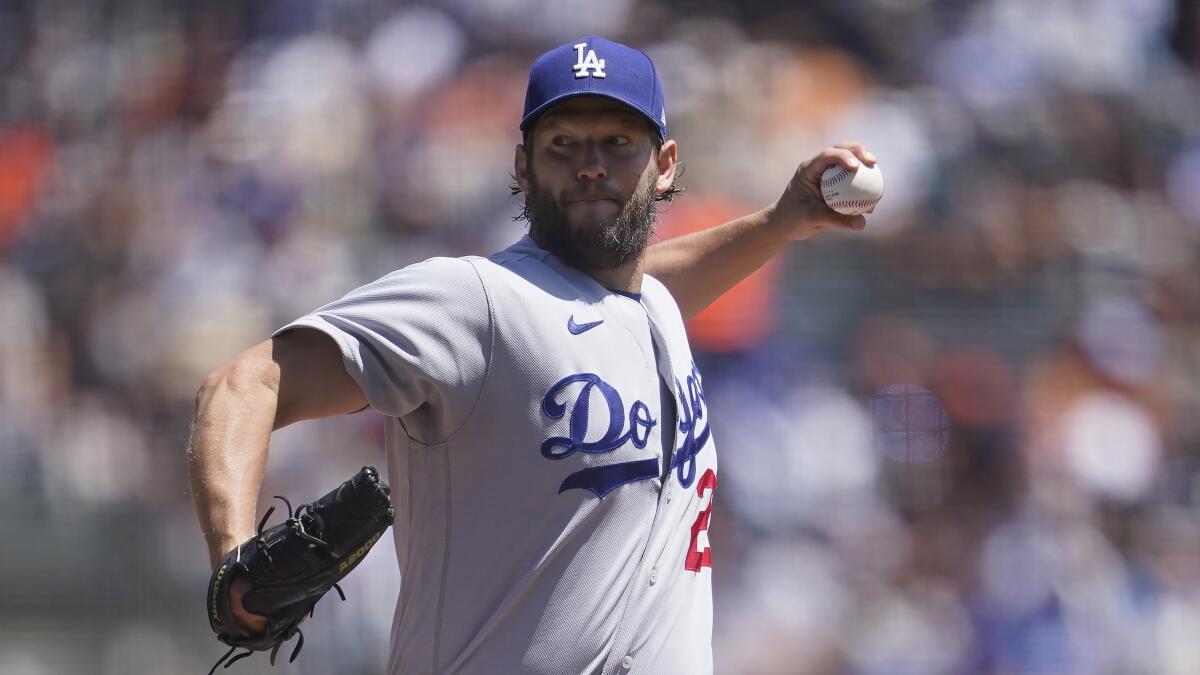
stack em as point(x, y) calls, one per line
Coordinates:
point(534, 529)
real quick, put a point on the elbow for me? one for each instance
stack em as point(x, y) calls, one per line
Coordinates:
point(204, 394)
point(211, 383)
point(246, 376)
point(225, 378)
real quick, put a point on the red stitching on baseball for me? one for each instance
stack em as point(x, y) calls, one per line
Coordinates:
point(830, 180)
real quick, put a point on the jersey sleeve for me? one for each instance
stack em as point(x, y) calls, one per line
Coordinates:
point(416, 339)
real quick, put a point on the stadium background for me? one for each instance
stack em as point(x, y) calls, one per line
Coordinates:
point(965, 441)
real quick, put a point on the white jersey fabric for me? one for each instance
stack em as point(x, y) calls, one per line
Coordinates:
point(533, 531)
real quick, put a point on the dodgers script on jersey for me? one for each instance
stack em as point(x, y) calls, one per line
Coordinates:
point(539, 528)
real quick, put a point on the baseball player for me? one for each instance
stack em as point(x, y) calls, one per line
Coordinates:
point(547, 436)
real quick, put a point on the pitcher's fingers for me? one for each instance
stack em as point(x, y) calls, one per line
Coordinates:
point(860, 151)
point(831, 157)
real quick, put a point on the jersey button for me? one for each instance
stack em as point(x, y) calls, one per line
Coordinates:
point(627, 662)
point(653, 576)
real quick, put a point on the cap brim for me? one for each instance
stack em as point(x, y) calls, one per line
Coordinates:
point(537, 112)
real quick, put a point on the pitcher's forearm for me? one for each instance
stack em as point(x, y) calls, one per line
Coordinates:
point(698, 268)
point(227, 455)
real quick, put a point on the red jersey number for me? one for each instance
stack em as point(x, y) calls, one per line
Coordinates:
point(700, 555)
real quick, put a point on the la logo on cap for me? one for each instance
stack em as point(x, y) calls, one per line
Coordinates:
point(587, 66)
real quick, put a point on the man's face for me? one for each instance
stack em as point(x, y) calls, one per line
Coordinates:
point(589, 171)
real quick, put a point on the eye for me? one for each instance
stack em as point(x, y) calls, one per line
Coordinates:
point(560, 141)
point(619, 140)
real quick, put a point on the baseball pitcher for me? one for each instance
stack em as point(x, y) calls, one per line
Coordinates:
point(550, 462)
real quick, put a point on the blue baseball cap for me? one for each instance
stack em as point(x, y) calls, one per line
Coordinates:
point(599, 67)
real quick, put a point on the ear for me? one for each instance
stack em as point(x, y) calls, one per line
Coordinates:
point(521, 169)
point(668, 156)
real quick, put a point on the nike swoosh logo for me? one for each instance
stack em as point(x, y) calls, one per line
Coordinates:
point(581, 328)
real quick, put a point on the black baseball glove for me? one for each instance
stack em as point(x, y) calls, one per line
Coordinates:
point(292, 565)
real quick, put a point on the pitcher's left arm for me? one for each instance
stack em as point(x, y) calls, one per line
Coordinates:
point(699, 267)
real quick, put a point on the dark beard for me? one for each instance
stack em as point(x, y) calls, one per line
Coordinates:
point(605, 247)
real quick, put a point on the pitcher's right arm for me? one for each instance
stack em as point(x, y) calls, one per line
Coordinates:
point(294, 376)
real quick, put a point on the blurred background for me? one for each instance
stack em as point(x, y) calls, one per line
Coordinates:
point(965, 441)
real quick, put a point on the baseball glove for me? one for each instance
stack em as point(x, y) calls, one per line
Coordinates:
point(292, 565)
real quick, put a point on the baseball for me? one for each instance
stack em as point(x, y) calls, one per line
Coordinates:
point(852, 192)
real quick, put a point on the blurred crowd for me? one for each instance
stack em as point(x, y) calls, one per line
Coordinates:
point(965, 441)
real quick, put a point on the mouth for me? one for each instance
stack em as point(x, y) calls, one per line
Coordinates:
point(590, 200)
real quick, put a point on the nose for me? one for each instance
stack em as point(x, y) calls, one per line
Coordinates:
point(592, 165)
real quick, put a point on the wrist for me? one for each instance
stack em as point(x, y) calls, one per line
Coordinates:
point(800, 220)
point(785, 223)
point(777, 223)
point(220, 546)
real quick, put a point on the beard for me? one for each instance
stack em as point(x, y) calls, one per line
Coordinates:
point(605, 245)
